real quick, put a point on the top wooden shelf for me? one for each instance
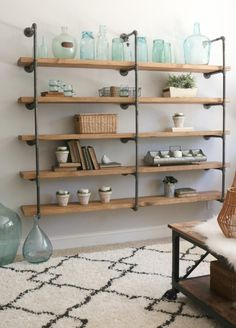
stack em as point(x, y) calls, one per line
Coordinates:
point(118, 65)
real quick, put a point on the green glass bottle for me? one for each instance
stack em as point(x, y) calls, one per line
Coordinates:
point(10, 235)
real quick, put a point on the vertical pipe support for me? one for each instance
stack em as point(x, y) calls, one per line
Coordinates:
point(29, 32)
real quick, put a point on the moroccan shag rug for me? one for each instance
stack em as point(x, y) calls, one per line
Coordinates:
point(114, 289)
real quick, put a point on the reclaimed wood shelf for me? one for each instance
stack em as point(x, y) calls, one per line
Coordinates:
point(121, 100)
point(48, 174)
point(124, 203)
point(119, 65)
point(199, 289)
point(154, 134)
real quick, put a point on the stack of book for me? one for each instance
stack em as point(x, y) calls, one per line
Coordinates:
point(185, 192)
point(83, 154)
point(82, 158)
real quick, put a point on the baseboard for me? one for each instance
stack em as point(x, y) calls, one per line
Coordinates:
point(111, 237)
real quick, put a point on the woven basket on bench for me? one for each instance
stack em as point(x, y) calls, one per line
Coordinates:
point(227, 216)
point(95, 123)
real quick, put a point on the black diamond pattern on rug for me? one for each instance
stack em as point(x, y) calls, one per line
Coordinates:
point(114, 289)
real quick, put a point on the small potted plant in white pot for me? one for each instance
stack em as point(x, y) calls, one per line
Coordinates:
point(83, 195)
point(62, 154)
point(178, 119)
point(105, 194)
point(62, 197)
point(169, 186)
point(182, 85)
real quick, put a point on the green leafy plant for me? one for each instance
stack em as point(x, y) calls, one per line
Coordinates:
point(169, 179)
point(181, 81)
point(62, 192)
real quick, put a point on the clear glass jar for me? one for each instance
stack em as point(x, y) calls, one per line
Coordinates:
point(197, 47)
point(142, 50)
point(64, 45)
point(158, 51)
point(117, 49)
point(167, 53)
point(102, 45)
point(43, 49)
point(87, 46)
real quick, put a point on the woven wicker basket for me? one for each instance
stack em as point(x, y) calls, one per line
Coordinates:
point(227, 216)
point(95, 123)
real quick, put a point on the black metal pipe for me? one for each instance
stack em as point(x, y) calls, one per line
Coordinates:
point(37, 180)
point(136, 121)
point(223, 114)
point(125, 37)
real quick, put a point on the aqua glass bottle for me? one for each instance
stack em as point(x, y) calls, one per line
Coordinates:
point(43, 49)
point(87, 46)
point(37, 247)
point(64, 45)
point(10, 235)
point(117, 49)
point(158, 51)
point(197, 47)
point(102, 45)
point(167, 53)
point(142, 50)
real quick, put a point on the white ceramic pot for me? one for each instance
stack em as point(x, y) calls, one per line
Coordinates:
point(84, 198)
point(178, 121)
point(62, 156)
point(63, 199)
point(179, 92)
point(105, 196)
point(169, 189)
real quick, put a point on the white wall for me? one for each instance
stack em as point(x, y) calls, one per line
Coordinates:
point(170, 20)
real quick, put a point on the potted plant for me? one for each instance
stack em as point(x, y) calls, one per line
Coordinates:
point(169, 186)
point(62, 197)
point(105, 194)
point(83, 195)
point(62, 154)
point(182, 85)
point(178, 119)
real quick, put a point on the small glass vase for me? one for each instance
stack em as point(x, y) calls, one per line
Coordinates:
point(117, 49)
point(158, 51)
point(142, 50)
point(37, 247)
point(102, 46)
point(197, 47)
point(10, 235)
point(87, 46)
point(64, 45)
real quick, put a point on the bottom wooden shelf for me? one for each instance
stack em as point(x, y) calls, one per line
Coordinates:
point(199, 290)
point(53, 209)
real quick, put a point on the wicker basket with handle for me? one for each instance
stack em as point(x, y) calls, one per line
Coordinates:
point(95, 123)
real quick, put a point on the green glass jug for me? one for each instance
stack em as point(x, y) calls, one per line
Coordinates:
point(10, 235)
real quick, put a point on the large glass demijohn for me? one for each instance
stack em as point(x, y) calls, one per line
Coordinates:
point(10, 235)
point(197, 47)
point(64, 45)
point(37, 246)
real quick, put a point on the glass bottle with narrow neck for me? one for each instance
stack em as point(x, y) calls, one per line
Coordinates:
point(102, 45)
point(197, 47)
point(37, 247)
